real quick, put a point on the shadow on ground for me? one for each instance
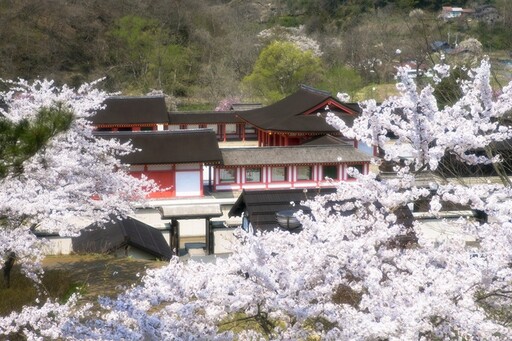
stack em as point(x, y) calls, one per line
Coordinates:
point(101, 275)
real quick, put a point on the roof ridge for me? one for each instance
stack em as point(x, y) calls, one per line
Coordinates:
point(315, 90)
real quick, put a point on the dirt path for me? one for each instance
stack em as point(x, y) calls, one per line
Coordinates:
point(101, 275)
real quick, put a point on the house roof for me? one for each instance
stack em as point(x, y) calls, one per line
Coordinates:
point(261, 206)
point(303, 154)
point(121, 233)
point(165, 147)
point(203, 117)
point(123, 110)
point(304, 111)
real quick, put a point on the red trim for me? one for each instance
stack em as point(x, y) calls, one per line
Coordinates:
point(201, 179)
point(330, 103)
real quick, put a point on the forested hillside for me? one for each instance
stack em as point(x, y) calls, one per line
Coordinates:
point(202, 51)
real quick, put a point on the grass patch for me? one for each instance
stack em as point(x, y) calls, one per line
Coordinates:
point(56, 284)
point(379, 92)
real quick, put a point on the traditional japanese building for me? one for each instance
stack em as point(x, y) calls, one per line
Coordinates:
point(310, 165)
point(298, 118)
point(173, 159)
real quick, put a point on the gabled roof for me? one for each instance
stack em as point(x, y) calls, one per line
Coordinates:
point(262, 205)
point(203, 117)
point(123, 110)
point(303, 111)
point(167, 147)
point(303, 154)
point(121, 233)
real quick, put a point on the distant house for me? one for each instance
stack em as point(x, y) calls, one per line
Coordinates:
point(126, 237)
point(449, 12)
point(122, 113)
point(441, 46)
point(173, 159)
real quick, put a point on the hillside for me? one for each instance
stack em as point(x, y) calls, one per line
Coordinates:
point(200, 52)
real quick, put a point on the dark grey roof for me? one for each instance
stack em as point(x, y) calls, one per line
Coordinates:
point(304, 111)
point(203, 117)
point(303, 154)
point(165, 147)
point(132, 110)
point(262, 205)
point(121, 233)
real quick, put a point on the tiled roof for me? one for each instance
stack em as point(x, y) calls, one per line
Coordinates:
point(120, 233)
point(303, 111)
point(262, 205)
point(132, 110)
point(164, 147)
point(304, 154)
point(203, 117)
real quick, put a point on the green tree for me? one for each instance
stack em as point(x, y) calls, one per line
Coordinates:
point(280, 68)
point(21, 140)
point(341, 78)
point(145, 57)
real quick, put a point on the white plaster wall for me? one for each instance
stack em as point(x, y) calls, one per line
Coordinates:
point(223, 240)
point(192, 227)
point(58, 246)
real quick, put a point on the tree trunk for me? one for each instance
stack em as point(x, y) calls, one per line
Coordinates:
point(9, 263)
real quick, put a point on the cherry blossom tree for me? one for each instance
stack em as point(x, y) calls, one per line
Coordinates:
point(358, 269)
point(64, 178)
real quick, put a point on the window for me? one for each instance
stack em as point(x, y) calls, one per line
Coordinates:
point(213, 127)
point(250, 129)
point(231, 128)
point(359, 169)
point(146, 128)
point(279, 174)
point(304, 173)
point(227, 175)
point(330, 172)
point(253, 175)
